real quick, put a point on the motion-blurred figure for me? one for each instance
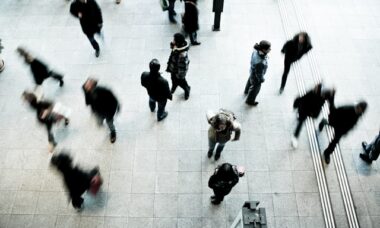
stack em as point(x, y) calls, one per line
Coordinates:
point(342, 119)
point(225, 177)
point(90, 18)
point(222, 125)
point(157, 88)
point(2, 64)
point(103, 103)
point(371, 151)
point(310, 104)
point(294, 49)
point(178, 64)
point(77, 180)
point(171, 11)
point(190, 20)
point(39, 69)
point(258, 69)
point(48, 113)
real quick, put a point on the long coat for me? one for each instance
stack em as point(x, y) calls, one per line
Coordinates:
point(91, 20)
point(309, 104)
point(40, 71)
point(292, 50)
point(178, 62)
point(343, 119)
point(223, 185)
point(102, 101)
point(190, 18)
point(156, 86)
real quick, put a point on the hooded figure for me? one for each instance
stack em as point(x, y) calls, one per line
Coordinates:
point(77, 181)
point(371, 151)
point(258, 69)
point(225, 177)
point(310, 104)
point(46, 114)
point(157, 88)
point(39, 69)
point(294, 49)
point(190, 20)
point(103, 103)
point(342, 119)
point(90, 18)
point(178, 64)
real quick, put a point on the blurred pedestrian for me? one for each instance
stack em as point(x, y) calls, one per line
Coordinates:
point(310, 105)
point(225, 177)
point(90, 18)
point(157, 88)
point(222, 125)
point(77, 180)
point(178, 64)
point(103, 103)
point(258, 69)
point(48, 114)
point(294, 49)
point(371, 151)
point(39, 69)
point(342, 119)
point(171, 11)
point(190, 20)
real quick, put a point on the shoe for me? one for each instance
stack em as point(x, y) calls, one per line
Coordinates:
point(327, 158)
point(174, 13)
point(97, 53)
point(113, 137)
point(187, 94)
point(217, 156)
point(365, 158)
point(209, 153)
point(322, 124)
point(163, 116)
point(172, 90)
point(195, 43)
point(173, 21)
point(280, 91)
point(253, 104)
point(212, 197)
point(364, 145)
point(294, 142)
point(67, 121)
point(118, 1)
point(215, 202)
point(61, 83)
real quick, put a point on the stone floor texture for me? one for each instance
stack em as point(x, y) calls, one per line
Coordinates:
point(156, 174)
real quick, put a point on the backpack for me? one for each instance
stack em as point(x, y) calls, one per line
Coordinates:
point(229, 114)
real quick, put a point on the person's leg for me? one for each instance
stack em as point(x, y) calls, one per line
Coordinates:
point(330, 149)
point(253, 91)
point(171, 11)
point(112, 129)
point(94, 44)
point(193, 38)
point(57, 77)
point(77, 202)
point(287, 64)
point(161, 114)
point(174, 83)
point(152, 104)
point(301, 119)
point(183, 84)
point(219, 150)
point(247, 86)
point(322, 124)
point(217, 198)
point(211, 143)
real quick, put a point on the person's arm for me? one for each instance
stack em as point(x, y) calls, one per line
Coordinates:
point(285, 47)
point(98, 14)
point(86, 96)
point(237, 129)
point(49, 126)
point(260, 71)
point(167, 89)
point(209, 115)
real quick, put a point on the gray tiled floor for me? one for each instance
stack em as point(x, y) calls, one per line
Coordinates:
point(156, 174)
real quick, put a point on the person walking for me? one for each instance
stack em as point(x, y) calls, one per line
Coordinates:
point(171, 11)
point(258, 69)
point(178, 64)
point(225, 177)
point(342, 119)
point(77, 180)
point(190, 21)
point(222, 125)
point(103, 103)
point(39, 69)
point(48, 114)
point(294, 49)
point(371, 151)
point(90, 18)
point(157, 88)
point(311, 105)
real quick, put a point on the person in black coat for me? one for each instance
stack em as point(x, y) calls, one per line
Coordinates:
point(310, 104)
point(39, 69)
point(294, 49)
point(342, 119)
point(225, 177)
point(77, 181)
point(190, 20)
point(103, 103)
point(157, 88)
point(371, 150)
point(90, 17)
point(45, 115)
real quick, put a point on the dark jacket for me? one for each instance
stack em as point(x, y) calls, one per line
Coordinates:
point(292, 50)
point(190, 18)
point(40, 107)
point(102, 101)
point(309, 104)
point(91, 20)
point(178, 62)
point(40, 71)
point(156, 86)
point(343, 119)
point(375, 148)
point(259, 66)
point(222, 183)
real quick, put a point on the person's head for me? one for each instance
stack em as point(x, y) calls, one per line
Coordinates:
point(29, 97)
point(90, 84)
point(83, 1)
point(263, 47)
point(154, 66)
point(220, 123)
point(227, 171)
point(62, 161)
point(27, 56)
point(179, 40)
point(361, 107)
point(301, 37)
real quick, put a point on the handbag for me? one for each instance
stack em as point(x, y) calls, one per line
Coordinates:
point(164, 4)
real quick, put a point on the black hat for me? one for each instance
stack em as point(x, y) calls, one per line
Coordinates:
point(263, 46)
point(179, 39)
point(154, 65)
